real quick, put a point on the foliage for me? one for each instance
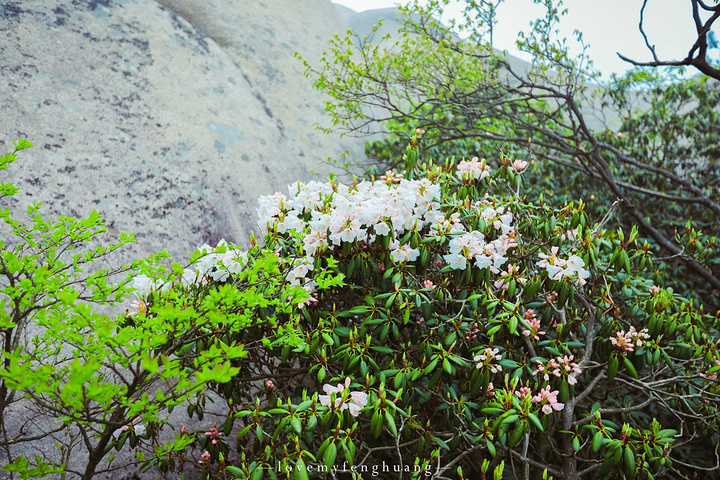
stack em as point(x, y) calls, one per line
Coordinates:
point(642, 148)
point(86, 381)
point(436, 318)
point(456, 319)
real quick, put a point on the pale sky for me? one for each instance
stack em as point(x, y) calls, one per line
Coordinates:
point(608, 26)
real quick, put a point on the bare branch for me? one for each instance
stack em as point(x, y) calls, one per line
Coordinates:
point(697, 55)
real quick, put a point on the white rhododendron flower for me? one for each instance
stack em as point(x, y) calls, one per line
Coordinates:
point(300, 270)
point(473, 246)
point(488, 359)
point(558, 268)
point(344, 399)
point(339, 213)
point(219, 266)
point(403, 253)
point(473, 170)
point(143, 285)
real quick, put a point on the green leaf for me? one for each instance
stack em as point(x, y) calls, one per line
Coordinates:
point(597, 440)
point(441, 443)
point(629, 461)
point(536, 421)
point(630, 367)
point(235, 471)
point(301, 472)
point(390, 420)
point(512, 324)
point(150, 364)
point(491, 447)
point(330, 455)
point(296, 424)
point(613, 365)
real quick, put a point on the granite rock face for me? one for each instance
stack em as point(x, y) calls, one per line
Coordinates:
point(169, 118)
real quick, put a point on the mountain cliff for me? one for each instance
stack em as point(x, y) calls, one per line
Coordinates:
point(168, 117)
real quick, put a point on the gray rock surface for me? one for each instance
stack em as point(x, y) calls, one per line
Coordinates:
point(169, 118)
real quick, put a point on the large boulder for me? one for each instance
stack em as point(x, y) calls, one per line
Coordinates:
point(170, 118)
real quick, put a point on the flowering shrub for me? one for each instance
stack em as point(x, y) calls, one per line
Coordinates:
point(77, 385)
point(432, 318)
point(425, 324)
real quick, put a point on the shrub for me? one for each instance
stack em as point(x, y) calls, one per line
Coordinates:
point(77, 379)
point(435, 323)
point(428, 323)
point(642, 146)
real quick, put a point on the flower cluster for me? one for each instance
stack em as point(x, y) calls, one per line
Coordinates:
point(548, 400)
point(391, 177)
point(489, 391)
point(473, 170)
point(325, 214)
point(143, 285)
point(627, 341)
point(488, 358)
point(204, 458)
point(533, 324)
point(216, 263)
point(341, 397)
point(450, 225)
point(512, 272)
point(473, 331)
point(301, 267)
point(219, 266)
point(213, 435)
point(136, 307)
point(523, 392)
point(472, 246)
point(403, 253)
point(558, 268)
point(559, 367)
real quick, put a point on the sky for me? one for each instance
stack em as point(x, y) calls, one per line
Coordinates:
point(608, 26)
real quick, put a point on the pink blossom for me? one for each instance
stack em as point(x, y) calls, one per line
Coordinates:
point(428, 284)
point(136, 307)
point(559, 367)
point(548, 400)
point(489, 390)
point(344, 398)
point(627, 341)
point(534, 325)
point(472, 333)
point(214, 435)
point(523, 392)
point(519, 166)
